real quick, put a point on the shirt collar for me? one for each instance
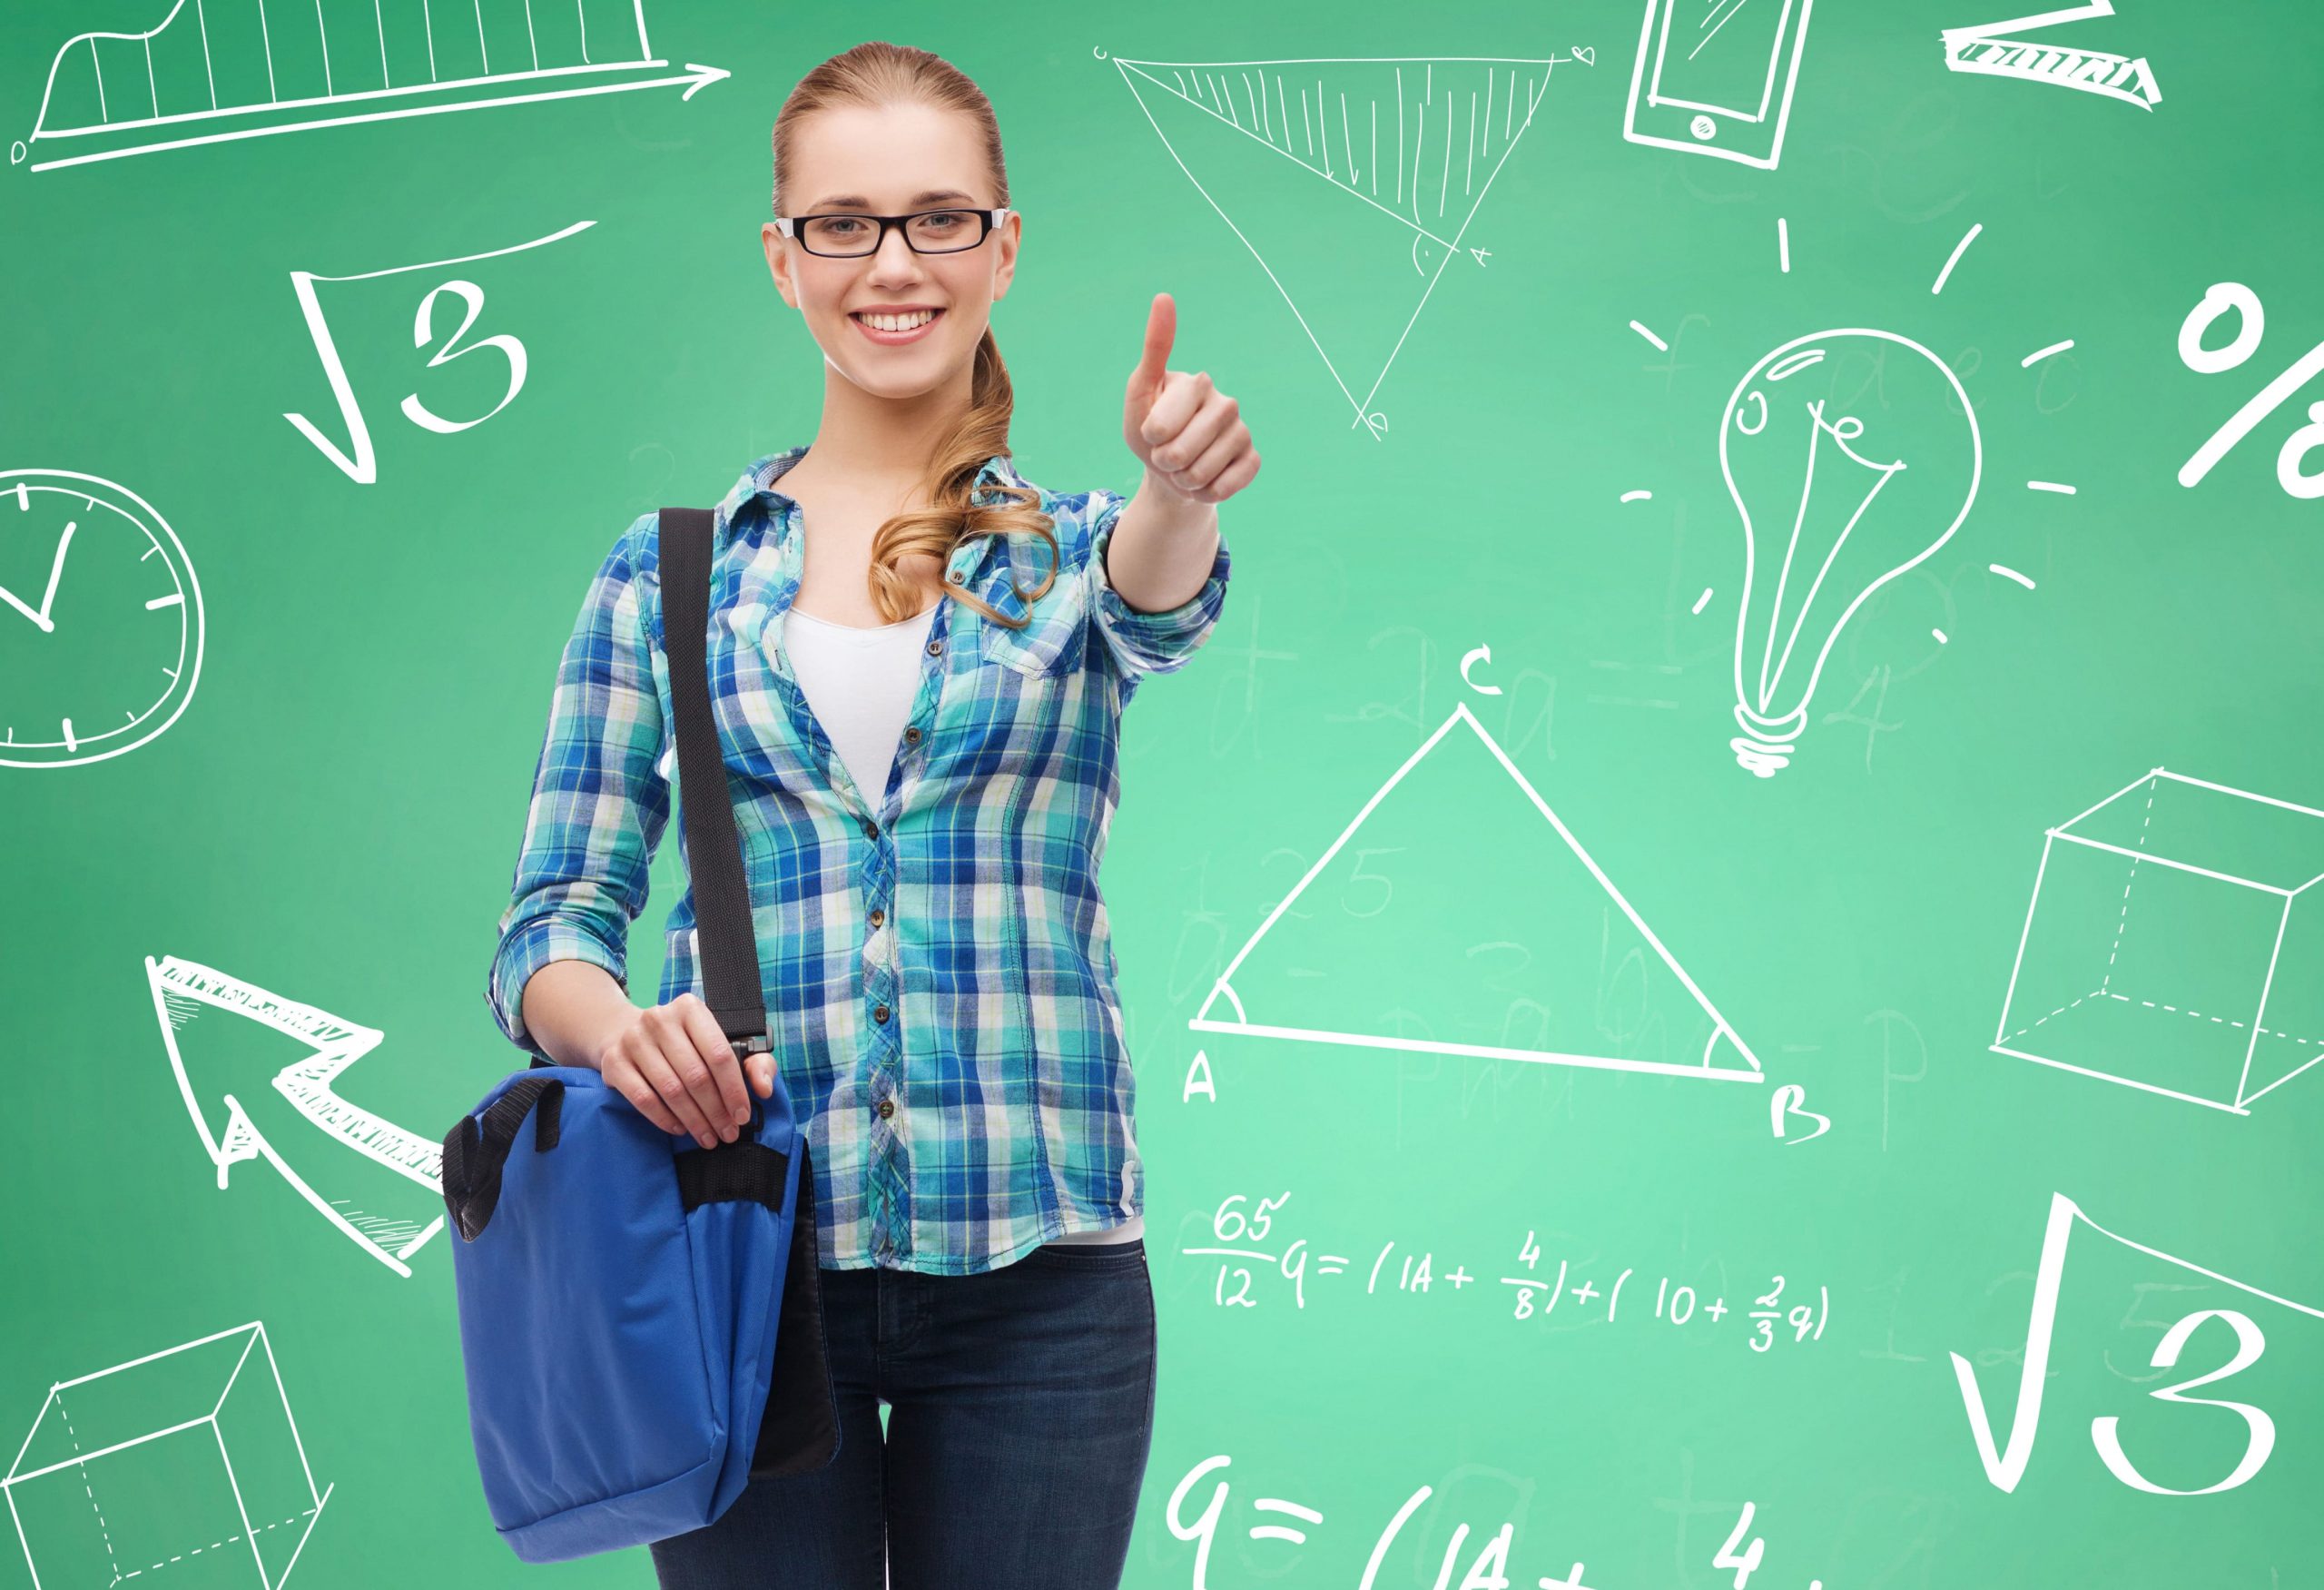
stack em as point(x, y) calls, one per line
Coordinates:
point(757, 485)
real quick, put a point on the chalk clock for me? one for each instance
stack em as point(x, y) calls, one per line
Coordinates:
point(100, 620)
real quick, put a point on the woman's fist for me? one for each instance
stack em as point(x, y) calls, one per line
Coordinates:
point(1190, 435)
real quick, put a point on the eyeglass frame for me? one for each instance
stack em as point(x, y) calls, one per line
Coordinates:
point(991, 219)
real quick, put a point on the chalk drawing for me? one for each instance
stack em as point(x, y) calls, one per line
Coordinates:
point(362, 464)
point(1565, 893)
point(117, 662)
point(1706, 85)
point(1823, 523)
point(190, 1455)
point(2006, 1461)
point(389, 1220)
point(2174, 945)
point(1979, 47)
point(1256, 137)
point(229, 69)
point(2218, 300)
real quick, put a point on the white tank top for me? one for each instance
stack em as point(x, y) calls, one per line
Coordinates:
point(860, 681)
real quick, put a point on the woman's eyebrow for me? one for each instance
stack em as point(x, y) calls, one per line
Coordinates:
point(934, 195)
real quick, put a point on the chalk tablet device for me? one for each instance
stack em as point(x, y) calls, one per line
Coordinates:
point(1715, 76)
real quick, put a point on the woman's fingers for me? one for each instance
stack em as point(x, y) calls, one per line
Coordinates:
point(1182, 457)
point(1161, 330)
point(1212, 457)
point(675, 1063)
point(1147, 378)
point(667, 1075)
point(1181, 398)
point(625, 1078)
point(710, 1042)
point(1210, 476)
point(678, 1097)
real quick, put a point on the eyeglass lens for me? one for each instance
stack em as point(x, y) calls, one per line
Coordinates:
point(933, 232)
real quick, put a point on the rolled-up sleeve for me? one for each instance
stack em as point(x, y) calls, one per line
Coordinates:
point(1146, 643)
point(600, 800)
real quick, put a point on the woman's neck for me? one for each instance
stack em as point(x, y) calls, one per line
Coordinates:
point(884, 445)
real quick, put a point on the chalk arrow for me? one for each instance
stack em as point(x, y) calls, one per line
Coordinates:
point(392, 1230)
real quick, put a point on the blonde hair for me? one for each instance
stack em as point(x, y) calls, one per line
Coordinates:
point(875, 74)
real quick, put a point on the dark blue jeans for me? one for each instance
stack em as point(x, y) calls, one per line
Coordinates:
point(1021, 1414)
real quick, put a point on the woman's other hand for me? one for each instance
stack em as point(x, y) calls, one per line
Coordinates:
point(1190, 435)
point(673, 1061)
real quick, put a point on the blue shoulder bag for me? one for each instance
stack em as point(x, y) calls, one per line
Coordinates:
point(641, 1319)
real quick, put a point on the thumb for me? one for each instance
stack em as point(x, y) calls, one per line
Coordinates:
point(1161, 329)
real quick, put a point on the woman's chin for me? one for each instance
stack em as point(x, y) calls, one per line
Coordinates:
point(894, 378)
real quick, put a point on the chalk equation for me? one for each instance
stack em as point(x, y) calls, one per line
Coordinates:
point(1488, 1566)
point(2005, 1461)
point(1578, 1293)
point(359, 462)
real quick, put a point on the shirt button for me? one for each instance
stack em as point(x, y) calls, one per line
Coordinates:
point(911, 736)
point(956, 577)
point(934, 647)
point(880, 1014)
point(887, 1108)
point(870, 829)
point(878, 917)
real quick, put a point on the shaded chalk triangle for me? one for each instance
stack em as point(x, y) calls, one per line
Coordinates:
point(1350, 182)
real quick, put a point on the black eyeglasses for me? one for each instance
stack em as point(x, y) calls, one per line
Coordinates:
point(926, 231)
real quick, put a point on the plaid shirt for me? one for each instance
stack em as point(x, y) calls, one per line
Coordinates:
point(939, 973)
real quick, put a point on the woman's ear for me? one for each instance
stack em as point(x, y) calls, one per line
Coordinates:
point(1005, 271)
point(778, 262)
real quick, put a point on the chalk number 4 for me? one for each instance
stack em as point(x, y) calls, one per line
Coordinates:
point(1752, 1554)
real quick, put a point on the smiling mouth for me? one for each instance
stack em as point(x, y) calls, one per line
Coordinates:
point(879, 321)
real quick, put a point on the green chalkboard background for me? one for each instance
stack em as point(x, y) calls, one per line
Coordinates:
point(1451, 421)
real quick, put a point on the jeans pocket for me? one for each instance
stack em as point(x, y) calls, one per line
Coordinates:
point(1091, 1257)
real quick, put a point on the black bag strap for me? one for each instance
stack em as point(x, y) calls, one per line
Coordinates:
point(721, 896)
point(799, 1429)
point(475, 1152)
point(743, 1171)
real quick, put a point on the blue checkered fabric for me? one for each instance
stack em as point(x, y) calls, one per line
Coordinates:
point(940, 976)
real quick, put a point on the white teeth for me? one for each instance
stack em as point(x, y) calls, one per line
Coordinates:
point(898, 323)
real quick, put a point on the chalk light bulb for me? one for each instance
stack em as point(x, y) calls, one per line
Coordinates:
point(1840, 491)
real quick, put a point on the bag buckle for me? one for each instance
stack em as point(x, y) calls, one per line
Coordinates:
point(756, 1043)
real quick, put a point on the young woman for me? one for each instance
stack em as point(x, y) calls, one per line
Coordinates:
point(919, 663)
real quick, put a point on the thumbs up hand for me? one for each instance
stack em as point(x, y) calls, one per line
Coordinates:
point(1190, 435)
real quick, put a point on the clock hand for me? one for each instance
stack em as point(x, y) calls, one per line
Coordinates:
point(48, 597)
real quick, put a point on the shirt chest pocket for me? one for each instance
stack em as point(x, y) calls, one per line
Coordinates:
point(1043, 640)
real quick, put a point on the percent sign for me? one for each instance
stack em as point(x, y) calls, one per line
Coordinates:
point(2218, 300)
